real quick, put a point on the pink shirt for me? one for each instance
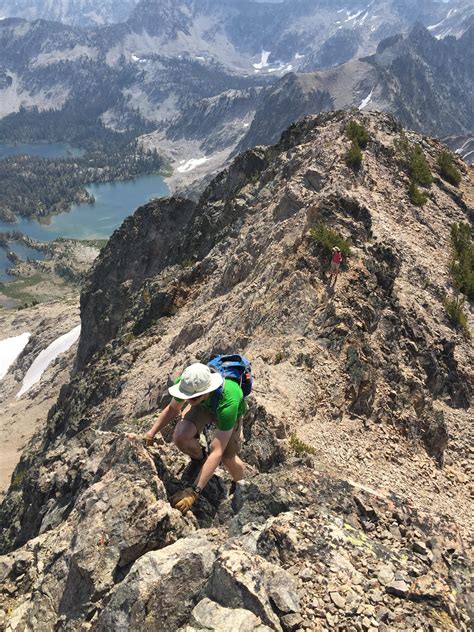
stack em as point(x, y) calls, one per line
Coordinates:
point(337, 257)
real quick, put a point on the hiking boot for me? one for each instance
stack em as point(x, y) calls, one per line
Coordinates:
point(193, 468)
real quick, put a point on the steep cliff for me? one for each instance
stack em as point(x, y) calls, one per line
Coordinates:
point(362, 393)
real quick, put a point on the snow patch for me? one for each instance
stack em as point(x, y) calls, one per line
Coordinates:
point(298, 56)
point(281, 68)
point(10, 349)
point(44, 359)
point(189, 165)
point(433, 26)
point(366, 101)
point(463, 146)
point(263, 60)
point(354, 16)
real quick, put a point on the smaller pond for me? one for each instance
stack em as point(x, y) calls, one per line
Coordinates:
point(45, 150)
point(22, 251)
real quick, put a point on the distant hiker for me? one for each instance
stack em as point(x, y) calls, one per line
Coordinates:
point(336, 260)
point(195, 391)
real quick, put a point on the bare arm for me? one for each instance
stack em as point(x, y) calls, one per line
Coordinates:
point(167, 414)
point(218, 445)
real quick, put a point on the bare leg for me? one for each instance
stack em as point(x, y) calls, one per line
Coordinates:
point(186, 440)
point(235, 466)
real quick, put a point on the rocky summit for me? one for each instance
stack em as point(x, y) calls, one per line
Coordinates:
point(354, 514)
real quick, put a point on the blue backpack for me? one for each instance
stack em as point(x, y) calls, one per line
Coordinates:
point(233, 367)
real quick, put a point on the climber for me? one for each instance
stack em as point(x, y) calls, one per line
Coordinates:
point(336, 261)
point(193, 393)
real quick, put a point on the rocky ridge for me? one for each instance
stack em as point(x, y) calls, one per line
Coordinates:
point(354, 526)
point(403, 77)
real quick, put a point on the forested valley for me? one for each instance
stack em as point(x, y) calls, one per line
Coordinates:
point(35, 187)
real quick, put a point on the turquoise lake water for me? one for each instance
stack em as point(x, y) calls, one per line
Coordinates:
point(114, 202)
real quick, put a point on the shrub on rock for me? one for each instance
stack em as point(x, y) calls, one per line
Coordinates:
point(327, 238)
point(354, 156)
point(447, 169)
point(357, 133)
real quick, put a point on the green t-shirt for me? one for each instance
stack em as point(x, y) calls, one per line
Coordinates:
point(230, 407)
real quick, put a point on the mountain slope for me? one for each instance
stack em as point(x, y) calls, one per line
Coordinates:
point(76, 12)
point(426, 83)
point(292, 31)
point(291, 98)
point(370, 375)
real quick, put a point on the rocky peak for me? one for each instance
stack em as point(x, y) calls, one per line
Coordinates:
point(362, 392)
point(416, 70)
point(165, 18)
point(290, 98)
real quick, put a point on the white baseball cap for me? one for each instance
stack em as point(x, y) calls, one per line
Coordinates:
point(197, 379)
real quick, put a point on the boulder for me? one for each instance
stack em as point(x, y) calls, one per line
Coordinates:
point(161, 589)
point(240, 580)
point(209, 615)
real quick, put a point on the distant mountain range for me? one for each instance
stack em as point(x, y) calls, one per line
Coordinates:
point(76, 12)
point(255, 36)
point(224, 75)
point(427, 83)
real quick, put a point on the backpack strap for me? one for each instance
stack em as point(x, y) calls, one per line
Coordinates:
point(215, 399)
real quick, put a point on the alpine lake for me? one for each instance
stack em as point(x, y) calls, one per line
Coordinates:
point(114, 201)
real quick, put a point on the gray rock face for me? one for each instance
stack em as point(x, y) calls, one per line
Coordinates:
point(291, 98)
point(252, 583)
point(208, 615)
point(405, 64)
point(338, 49)
point(161, 589)
point(156, 253)
point(216, 122)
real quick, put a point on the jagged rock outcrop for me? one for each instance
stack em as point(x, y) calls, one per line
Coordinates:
point(346, 521)
point(412, 69)
point(288, 100)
